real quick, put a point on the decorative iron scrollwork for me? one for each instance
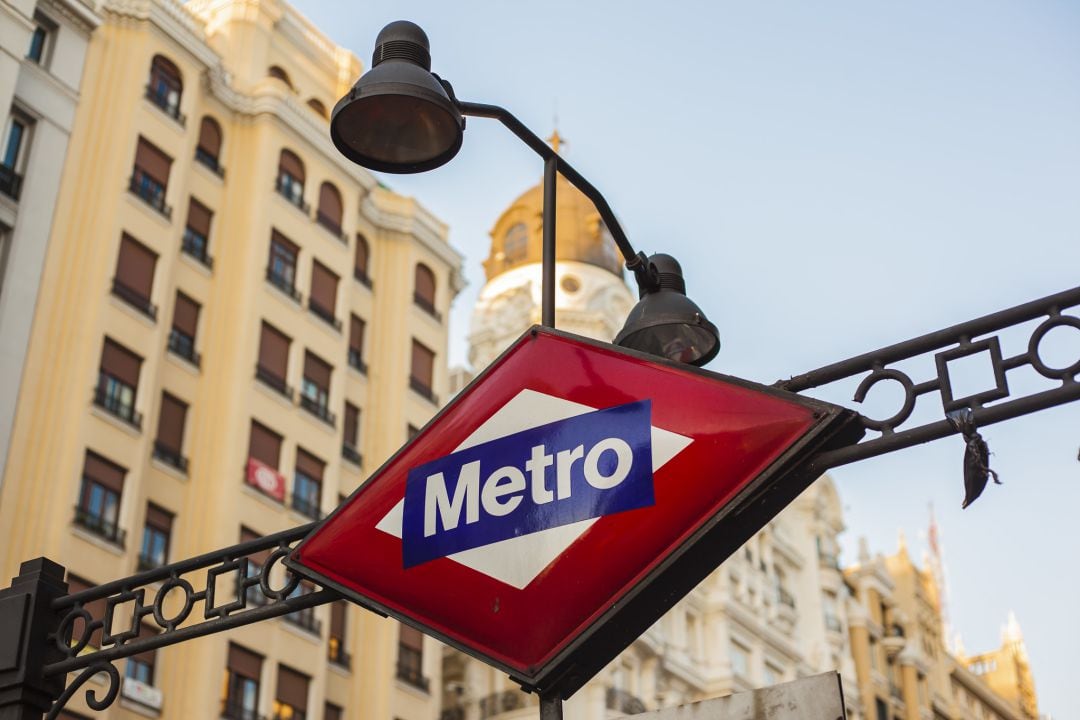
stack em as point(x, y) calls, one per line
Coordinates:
point(92, 699)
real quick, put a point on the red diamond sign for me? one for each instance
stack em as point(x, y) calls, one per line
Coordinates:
point(546, 517)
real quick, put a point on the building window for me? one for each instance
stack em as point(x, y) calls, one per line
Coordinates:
point(290, 179)
point(423, 368)
point(740, 660)
point(242, 673)
point(150, 176)
point(304, 618)
point(291, 699)
point(197, 232)
point(410, 663)
point(165, 87)
point(96, 608)
point(13, 163)
point(333, 712)
point(140, 668)
point(99, 498)
point(336, 647)
point(323, 296)
point(277, 72)
point(316, 105)
point(41, 41)
point(182, 335)
point(253, 596)
point(356, 344)
point(330, 210)
point(208, 149)
point(264, 445)
point(307, 484)
point(169, 443)
point(424, 290)
point(411, 431)
point(118, 377)
point(273, 364)
point(315, 388)
point(350, 446)
point(281, 272)
point(134, 279)
point(363, 255)
point(155, 540)
point(516, 244)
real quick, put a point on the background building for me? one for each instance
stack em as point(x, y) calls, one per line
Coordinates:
point(41, 65)
point(236, 326)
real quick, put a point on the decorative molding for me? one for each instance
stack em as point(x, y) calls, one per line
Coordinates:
point(75, 12)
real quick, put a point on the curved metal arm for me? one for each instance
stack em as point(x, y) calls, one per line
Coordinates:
point(635, 261)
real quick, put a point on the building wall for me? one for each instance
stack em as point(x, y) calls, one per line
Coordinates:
point(43, 90)
point(222, 50)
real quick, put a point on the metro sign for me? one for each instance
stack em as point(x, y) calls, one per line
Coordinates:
point(567, 498)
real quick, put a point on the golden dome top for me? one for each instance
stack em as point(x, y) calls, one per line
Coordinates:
point(580, 235)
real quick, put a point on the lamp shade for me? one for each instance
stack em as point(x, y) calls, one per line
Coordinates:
point(398, 117)
point(668, 324)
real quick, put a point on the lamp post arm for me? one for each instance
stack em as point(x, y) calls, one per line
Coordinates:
point(635, 261)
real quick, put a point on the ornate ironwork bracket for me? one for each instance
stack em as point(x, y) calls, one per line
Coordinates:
point(988, 406)
point(235, 590)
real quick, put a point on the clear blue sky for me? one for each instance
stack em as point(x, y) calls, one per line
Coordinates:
point(834, 177)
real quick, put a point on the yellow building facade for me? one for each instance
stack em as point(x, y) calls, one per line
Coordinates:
point(905, 671)
point(235, 327)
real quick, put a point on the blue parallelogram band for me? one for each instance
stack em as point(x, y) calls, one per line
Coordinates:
point(583, 467)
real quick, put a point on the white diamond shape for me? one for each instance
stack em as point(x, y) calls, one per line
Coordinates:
point(518, 561)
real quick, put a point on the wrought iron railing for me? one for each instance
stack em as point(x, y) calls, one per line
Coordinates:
point(306, 507)
point(193, 245)
point(350, 453)
point(318, 409)
point(116, 407)
point(330, 225)
point(282, 283)
point(423, 390)
point(107, 530)
point(161, 101)
point(324, 314)
point(427, 306)
point(10, 182)
point(268, 378)
point(134, 298)
point(149, 191)
point(363, 278)
point(183, 345)
point(209, 161)
point(170, 456)
point(356, 361)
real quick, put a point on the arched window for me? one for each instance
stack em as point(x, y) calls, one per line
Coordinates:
point(208, 151)
point(165, 86)
point(318, 107)
point(329, 213)
point(290, 180)
point(276, 72)
point(424, 289)
point(363, 256)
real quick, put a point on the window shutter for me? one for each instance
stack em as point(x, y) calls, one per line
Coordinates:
point(352, 423)
point(198, 218)
point(185, 314)
point(153, 162)
point(245, 663)
point(411, 638)
point(309, 465)
point(425, 284)
point(103, 471)
point(210, 137)
point(323, 286)
point(291, 164)
point(423, 364)
point(96, 608)
point(135, 266)
point(317, 371)
point(121, 363)
point(264, 445)
point(292, 688)
point(171, 422)
point(247, 535)
point(159, 518)
point(291, 247)
point(362, 254)
point(330, 203)
point(356, 335)
point(337, 619)
point(274, 351)
point(332, 712)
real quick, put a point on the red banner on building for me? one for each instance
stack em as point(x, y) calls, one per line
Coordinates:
point(265, 479)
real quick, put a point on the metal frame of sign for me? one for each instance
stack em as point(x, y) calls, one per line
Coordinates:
point(673, 576)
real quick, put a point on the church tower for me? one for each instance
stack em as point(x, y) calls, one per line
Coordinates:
point(591, 297)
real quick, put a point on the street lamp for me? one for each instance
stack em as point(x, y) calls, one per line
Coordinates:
point(400, 117)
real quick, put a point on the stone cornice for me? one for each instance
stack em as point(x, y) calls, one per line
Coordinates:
point(75, 12)
point(173, 19)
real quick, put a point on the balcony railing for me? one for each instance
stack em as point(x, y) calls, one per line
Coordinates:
point(500, 702)
point(785, 598)
point(363, 278)
point(194, 246)
point(318, 409)
point(427, 306)
point(234, 710)
point(282, 283)
point(294, 200)
point(114, 406)
point(149, 191)
point(337, 654)
point(623, 702)
point(10, 182)
point(408, 671)
point(161, 100)
point(105, 529)
point(350, 453)
point(330, 225)
point(170, 457)
point(183, 345)
point(304, 619)
point(423, 390)
point(306, 507)
point(457, 712)
point(268, 378)
point(134, 299)
point(356, 361)
point(209, 161)
point(327, 316)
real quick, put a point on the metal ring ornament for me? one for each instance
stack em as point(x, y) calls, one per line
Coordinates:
point(909, 397)
point(1037, 337)
point(292, 579)
point(67, 627)
point(96, 704)
point(159, 602)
